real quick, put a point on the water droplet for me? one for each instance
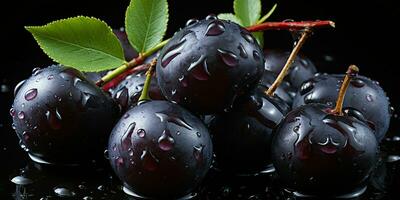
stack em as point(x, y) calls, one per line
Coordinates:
point(211, 17)
point(166, 142)
point(21, 115)
point(178, 133)
point(228, 58)
point(130, 152)
point(126, 139)
point(126, 115)
point(256, 55)
point(87, 198)
point(30, 94)
point(191, 22)
point(63, 192)
point(20, 180)
point(13, 126)
point(198, 152)
point(150, 163)
point(119, 161)
point(247, 36)
point(242, 51)
point(215, 28)
point(85, 97)
point(77, 81)
point(393, 158)
point(306, 87)
point(57, 98)
point(198, 134)
point(12, 112)
point(173, 92)
point(357, 83)
point(50, 77)
point(297, 128)
point(54, 119)
point(180, 122)
point(199, 69)
point(106, 154)
point(171, 53)
point(369, 98)
point(122, 97)
point(141, 133)
point(18, 86)
point(36, 71)
point(26, 135)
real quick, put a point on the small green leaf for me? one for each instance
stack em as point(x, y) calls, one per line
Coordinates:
point(146, 23)
point(259, 37)
point(230, 17)
point(248, 11)
point(85, 43)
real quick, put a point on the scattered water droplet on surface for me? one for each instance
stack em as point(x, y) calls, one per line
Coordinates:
point(21, 115)
point(180, 122)
point(166, 142)
point(63, 192)
point(228, 58)
point(357, 83)
point(256, 55)
point(242, 51)
point(141, 133)
point(306, 87)
point(211, 17)
point(198, 152)
point(36, 71)
point(215, 28)
point(247, 37)
point(18, 86)
point(12, 112)
point(20, 180)
point(31, 94)
point(393, 158)
point(171, 53)
point(191, 22)
point(150, 163)
point(369, 98)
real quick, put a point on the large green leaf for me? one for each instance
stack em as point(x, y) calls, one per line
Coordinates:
point(230, 17)
point(248, 11)
point(146, 23)
point(85, 43)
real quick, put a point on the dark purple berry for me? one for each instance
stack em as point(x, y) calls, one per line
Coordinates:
point(207, 64)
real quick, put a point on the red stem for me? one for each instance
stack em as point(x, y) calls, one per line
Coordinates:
point(113, 83)
point(290, 25)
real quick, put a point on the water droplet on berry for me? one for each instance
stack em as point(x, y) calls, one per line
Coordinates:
point(20, 180)
point(50, 77)
point(12, 112)
point(215, 28)
point(163, 117)
point(166, 142)
point(141, 133)
point(211, 17)
point(198, 152)
point(21, 115)
point(242, 51)
point(106, 154)
point(256, 55)
point(357, 83)
point(150, 163)
point(247, 37)
point(36, 71)
point(199, 69)
point(119, 161)
point(122, 97)
point(393, 158)
point(126, 139)
point(228, 58)
point(30, 94)
point(63, 192)
point(54, 119)
point(369, 98)
point(18, 86)
point(198, 134)
point(171, 53)
point(191, 22)
point(306, 87)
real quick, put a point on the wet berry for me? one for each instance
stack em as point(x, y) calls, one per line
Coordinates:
point(58, 114)
point(364, 95)
point(160, 150)
point(316, 152)
point(207, 64)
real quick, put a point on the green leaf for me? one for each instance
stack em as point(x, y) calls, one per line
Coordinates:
point(146, 23)
point(85, 43)
point(230, 17)
point(248, 11)
point(259, 37)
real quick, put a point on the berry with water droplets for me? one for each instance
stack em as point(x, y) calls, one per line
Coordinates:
point(160, 150)
point(58, 118)
point(207, 64)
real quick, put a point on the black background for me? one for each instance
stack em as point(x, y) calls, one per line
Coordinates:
point(366, 34)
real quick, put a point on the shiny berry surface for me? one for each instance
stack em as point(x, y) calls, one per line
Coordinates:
point(364, 95)
point(301, 70)
point(242, 137)
point(61, 117)
point(160, 150)
point(320, 153)
point(207, 64)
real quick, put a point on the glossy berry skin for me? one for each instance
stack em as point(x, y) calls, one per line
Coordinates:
point(363, 94)
point(61, 117)
point(207, 64)
point(285, 91)
point(242, 137)
point(128, 91)
point(319, 153)
point(301, 70)
point(160, 150)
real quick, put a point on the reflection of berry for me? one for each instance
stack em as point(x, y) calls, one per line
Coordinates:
point(363, 94)
point(302, 68)
point(58, 114)
point(208, 63)
point(160, 150)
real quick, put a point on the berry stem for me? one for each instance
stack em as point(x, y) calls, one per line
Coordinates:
point(290, 25)
point(144, 96)
point(290, 60)
point(351, 72)
point(133, 63)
